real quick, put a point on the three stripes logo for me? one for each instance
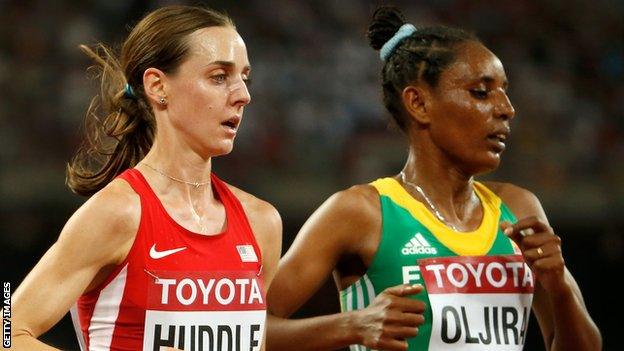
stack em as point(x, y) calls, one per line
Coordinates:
point(418, 246)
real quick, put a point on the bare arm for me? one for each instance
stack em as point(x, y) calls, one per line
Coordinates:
point(307, 264)
point(558, 303)
point(339, 227)
point(95, 239)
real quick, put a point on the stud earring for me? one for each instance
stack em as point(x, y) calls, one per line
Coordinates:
point(162, 101)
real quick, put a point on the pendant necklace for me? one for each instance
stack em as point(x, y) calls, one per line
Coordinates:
point(195, 184)
point(199, 219)
point(429, 202)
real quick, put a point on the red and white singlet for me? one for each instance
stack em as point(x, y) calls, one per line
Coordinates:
point(177, 288)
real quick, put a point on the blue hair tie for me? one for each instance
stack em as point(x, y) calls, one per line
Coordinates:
point(128, 92)
point(405, 31)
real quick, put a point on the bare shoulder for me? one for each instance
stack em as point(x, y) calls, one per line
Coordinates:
point(93, 242)
point(117, 197)
point(255, 208)
point(522, 202)
point(359, 202)
point(355, 210)
point(266, 225)
point(117, 204)
point(107, 221)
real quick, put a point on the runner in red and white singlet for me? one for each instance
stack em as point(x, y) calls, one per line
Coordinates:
point(163, 256)
point(178, 288)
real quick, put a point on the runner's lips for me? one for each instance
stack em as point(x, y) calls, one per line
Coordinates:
point(500, 136)
point(232, 122)
point(498, 139)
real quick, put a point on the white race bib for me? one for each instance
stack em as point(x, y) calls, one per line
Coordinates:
point(205, 311)
point(478, 303)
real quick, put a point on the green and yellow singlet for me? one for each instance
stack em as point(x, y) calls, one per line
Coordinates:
point(478, 290)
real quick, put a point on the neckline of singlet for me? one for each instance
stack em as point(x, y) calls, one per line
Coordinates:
point(470, 243)
point(434, 221)
point(218, 194)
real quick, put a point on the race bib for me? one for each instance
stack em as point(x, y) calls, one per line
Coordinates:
point(478, 303)
point(204, 311)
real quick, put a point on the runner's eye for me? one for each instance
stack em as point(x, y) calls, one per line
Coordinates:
point(479, 93)
point(219, 78)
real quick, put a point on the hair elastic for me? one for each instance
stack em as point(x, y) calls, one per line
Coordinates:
point(128, 92)
point(405, 31)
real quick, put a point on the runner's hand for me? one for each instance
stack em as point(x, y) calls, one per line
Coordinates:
point(391, 318)
point(541, 249)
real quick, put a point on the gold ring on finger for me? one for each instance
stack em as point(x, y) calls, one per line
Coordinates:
point(540, 252)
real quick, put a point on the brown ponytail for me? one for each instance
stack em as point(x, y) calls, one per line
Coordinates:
point(120, 139)
point(120, 128)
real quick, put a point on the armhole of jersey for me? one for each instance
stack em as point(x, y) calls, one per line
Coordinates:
point(507, 213)
point(236, 207)
point(375, 184)
point(118, 268)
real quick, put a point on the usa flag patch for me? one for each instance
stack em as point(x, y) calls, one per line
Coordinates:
point(247, 253)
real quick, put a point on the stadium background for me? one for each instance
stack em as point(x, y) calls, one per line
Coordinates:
point(316, 123)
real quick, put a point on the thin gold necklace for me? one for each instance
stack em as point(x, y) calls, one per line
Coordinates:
point(429, 202)
point(199, 219)
point(195, 184)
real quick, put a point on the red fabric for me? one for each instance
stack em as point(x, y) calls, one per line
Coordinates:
point(204, 257)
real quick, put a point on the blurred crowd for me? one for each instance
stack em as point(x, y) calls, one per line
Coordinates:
point(316, 123)
point(316, 117)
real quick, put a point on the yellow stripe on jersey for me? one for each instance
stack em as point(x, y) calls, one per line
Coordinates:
point(474, 243)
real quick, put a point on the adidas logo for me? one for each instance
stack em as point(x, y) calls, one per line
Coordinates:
point(418, 246)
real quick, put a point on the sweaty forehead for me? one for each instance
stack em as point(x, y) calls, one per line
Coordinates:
point(218, 44)
point(473, 62)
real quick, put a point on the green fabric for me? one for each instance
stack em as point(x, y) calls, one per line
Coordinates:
point(393, 266)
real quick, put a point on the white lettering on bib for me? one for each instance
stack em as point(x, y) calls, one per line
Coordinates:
point(478, 303)
point(197, 311)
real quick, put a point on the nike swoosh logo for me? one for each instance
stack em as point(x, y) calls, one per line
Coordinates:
point(160, 254)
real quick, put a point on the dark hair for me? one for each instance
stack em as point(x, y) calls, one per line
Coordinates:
point(120, 127)
point(421, 56)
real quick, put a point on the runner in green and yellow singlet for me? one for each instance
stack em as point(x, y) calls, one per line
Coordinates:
point(431, 259)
